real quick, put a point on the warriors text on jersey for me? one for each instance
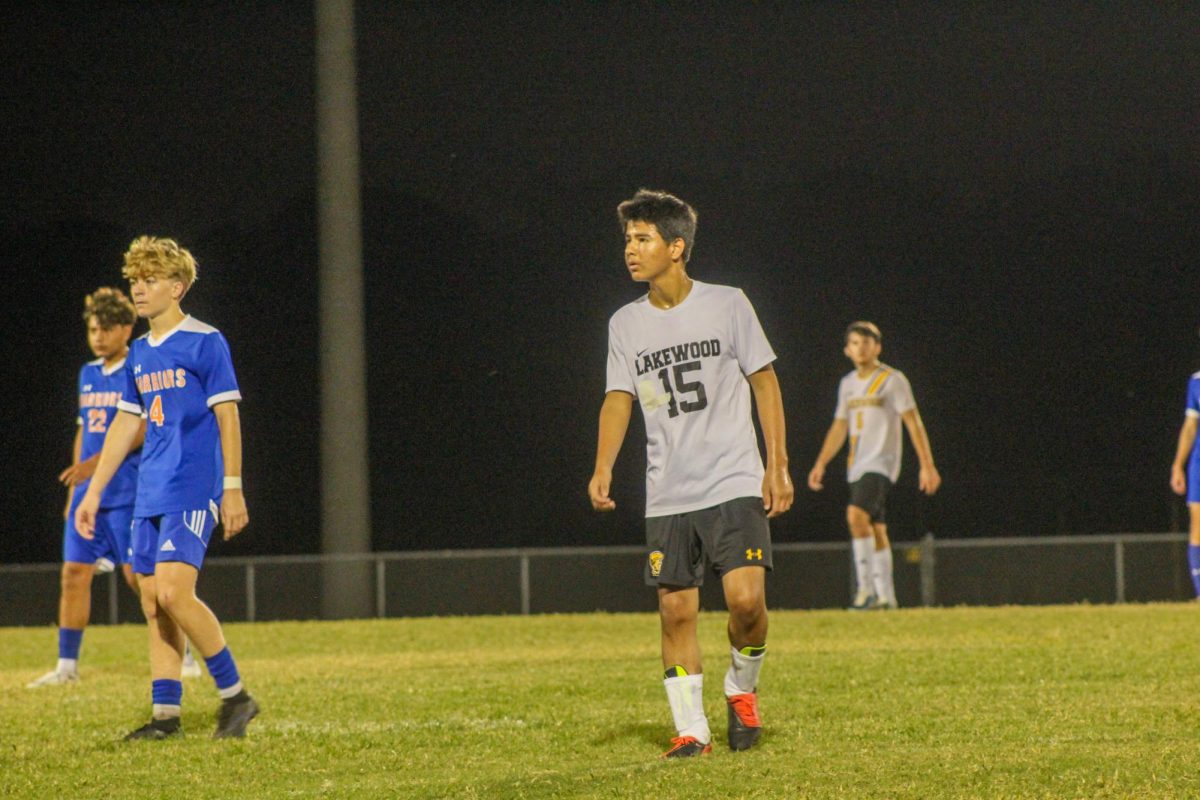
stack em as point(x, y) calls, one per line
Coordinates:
point(176, 380)
point(100, 389)
point(872, 407)
point(687, 367)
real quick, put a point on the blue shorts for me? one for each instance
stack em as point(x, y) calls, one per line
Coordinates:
point(111, 541)
point(1193, 473)
point(177, 536)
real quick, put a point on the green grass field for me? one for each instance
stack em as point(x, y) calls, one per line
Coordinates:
point(1079, 702)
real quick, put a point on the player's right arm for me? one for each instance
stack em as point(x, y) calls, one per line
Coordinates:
point(834, 439)
point(1187, 440)
point(118, 442)
point(67, 476)
point(76, 452)
point(80, 471)
point(929, 478)
point(614, 422)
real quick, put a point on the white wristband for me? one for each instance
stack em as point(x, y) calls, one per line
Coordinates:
point(233, 483)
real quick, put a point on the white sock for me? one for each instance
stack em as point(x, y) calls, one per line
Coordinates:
point(230, 691)
point(67, 666)
point(163, 711)
point(742, 677)
point(686, 696)
point(885, 587)
point(864, 550)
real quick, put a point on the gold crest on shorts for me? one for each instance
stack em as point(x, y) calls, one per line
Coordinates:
point(656, 559)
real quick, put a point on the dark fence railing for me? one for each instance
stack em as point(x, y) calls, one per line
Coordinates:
point(1106, 568)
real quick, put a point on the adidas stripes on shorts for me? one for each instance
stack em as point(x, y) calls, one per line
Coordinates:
point(177, 536)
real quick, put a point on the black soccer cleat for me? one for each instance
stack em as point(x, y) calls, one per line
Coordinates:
point(686, 747)
point(157, 729)
point(744, 724)
point(235, 715)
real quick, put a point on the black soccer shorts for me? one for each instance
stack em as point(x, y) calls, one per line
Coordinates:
point(870, 493)
point(731, 535)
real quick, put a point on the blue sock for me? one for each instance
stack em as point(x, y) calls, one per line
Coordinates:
point(167, 697)
point(166, 693)
point(225, 673)
point(1194, 564)
point(69, 640)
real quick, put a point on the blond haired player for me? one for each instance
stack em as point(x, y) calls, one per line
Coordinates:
point(692, 354)
point(872, 400)
point(181, 376)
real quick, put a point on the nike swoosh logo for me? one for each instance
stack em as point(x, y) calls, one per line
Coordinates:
point(642, 351)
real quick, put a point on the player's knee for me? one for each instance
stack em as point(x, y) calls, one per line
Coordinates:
point(675, 609)
point(149, 606)
point(746, 605)
point(169, 596)
point(76, 577)
point(858, 520)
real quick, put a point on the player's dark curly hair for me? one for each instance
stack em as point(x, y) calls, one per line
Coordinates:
point(673, 218)
point(864, 328)
point(109, 306)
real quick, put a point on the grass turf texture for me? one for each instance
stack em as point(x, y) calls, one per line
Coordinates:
point(1087, 702)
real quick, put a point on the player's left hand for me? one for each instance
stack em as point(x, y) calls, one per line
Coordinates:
point(598, 489)
point(77, 473)
point(777, 491)
point(929, 480)
point(1178, 480)
point(234, 516)
point(85, 515)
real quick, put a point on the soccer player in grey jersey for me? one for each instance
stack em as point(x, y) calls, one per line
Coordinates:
point(692, 354)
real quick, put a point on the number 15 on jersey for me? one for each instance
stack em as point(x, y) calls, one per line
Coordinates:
point(698, 403)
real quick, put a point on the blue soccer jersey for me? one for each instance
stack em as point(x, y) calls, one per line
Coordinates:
point(1193, 411)
point(1193, 398)
point(176, 380)
point(100, 389)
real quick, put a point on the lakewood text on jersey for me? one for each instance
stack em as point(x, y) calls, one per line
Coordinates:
point(677, 353)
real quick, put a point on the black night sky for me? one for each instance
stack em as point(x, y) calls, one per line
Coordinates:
point(1011, 191)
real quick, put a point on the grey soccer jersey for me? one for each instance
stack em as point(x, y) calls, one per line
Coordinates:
point(872, 407)
point(687, 367)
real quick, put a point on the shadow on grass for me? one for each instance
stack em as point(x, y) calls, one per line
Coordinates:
point(655, 733)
